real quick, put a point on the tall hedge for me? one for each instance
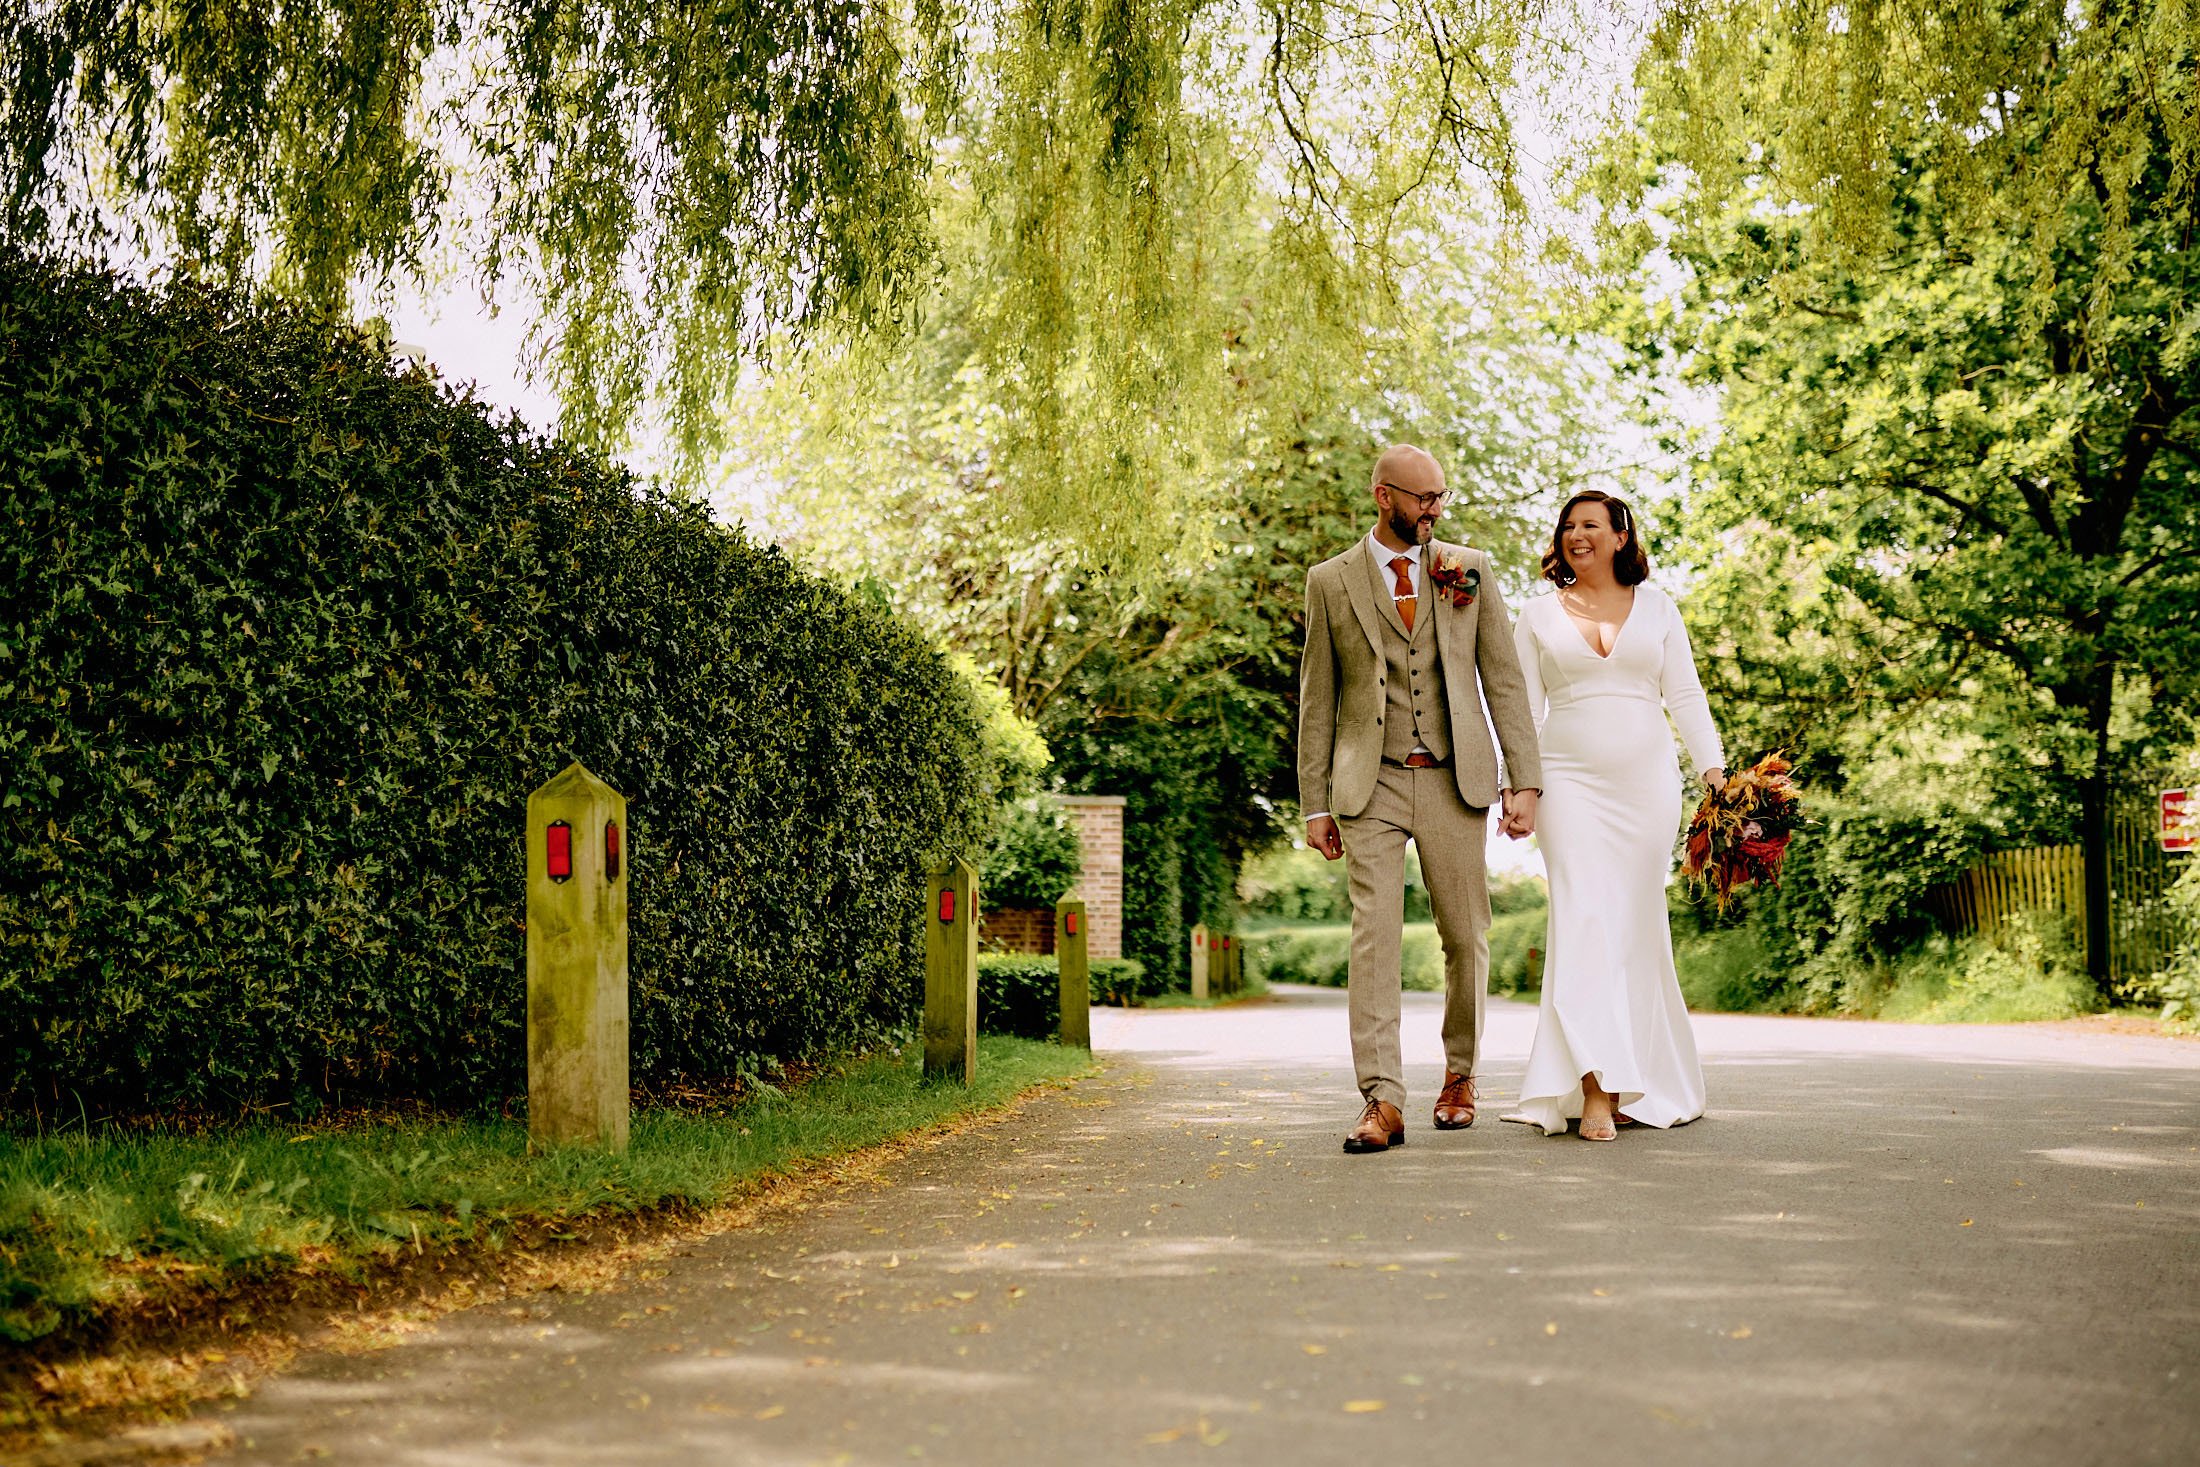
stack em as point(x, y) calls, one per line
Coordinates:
point(286, 637)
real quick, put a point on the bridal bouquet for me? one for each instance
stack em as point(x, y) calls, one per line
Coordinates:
point(1740, 834)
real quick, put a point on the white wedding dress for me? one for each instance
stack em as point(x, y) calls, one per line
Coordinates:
point(1607, 821)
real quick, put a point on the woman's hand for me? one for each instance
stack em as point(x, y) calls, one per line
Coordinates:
point(1716, 779)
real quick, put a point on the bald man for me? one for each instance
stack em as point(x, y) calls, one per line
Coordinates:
point(1406, 638)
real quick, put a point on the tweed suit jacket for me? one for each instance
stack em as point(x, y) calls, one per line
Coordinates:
point(1341, 691)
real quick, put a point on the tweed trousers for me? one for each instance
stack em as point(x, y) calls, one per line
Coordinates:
point(1425, 806)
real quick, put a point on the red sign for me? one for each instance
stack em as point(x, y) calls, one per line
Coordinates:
point(2180, 820)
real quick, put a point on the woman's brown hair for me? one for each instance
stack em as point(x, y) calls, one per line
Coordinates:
point(1630, 563)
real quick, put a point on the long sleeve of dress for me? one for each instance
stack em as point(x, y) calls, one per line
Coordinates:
point(1684, 698)
point(1531, 665)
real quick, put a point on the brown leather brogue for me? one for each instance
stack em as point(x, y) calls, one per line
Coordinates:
point(1455, 1103)
point(1381, 1127)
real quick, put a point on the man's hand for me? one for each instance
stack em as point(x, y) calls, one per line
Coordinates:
point(1322, 835)
point(1519, 818)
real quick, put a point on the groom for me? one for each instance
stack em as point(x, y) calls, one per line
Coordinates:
point(1406, 637)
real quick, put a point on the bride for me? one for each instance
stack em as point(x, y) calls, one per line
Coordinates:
point(1606, 658)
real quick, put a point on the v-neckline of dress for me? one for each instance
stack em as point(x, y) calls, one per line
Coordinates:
point(1632, 602)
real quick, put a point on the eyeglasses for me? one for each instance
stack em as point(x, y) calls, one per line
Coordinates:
point(1435, 500)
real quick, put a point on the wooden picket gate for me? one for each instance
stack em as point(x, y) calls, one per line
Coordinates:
point(1993, 893)
point(2143, 931)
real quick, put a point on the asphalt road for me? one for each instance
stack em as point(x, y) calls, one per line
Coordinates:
point(1886, 1244)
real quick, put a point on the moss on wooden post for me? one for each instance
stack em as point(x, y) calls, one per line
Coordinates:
point(577, 855)
point(1070, 957)
point(951, 974)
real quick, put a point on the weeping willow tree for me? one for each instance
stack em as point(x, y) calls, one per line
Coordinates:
point(684, 184)
point(2015, 106)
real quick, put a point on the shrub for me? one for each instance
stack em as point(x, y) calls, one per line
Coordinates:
point(286, 638)
point(2029, 970)
point(1021, 994)
point(1511, 935)
point(1323, 955)
point(1295, 885)
point(1034, 858)
point(1727, 971)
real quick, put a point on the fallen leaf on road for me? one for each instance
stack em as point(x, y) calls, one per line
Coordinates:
point(1740, 1334)
point(1964, 1224)
point(1163, 1438)
point(965, 1294)
point(1315, 1349)
point(1601, 1293)
point(771, 1413)
point(1551, 1328)
point(1359, 1408)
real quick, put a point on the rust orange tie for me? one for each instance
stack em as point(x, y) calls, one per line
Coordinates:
point(1403, 565)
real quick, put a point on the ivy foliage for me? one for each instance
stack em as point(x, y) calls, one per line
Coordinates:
point(286, 638)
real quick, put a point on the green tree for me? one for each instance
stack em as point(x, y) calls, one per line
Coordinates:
point(1953, 463)
point(1177, 690)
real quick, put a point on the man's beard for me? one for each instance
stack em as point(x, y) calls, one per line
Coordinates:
point(1407, 527)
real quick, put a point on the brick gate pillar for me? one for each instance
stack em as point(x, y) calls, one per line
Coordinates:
point(1098, 820)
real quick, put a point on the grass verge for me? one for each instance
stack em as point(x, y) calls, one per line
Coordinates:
point(120, 1234)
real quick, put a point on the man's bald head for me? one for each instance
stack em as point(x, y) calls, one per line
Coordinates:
point(1409, 490)
point(1403, 466)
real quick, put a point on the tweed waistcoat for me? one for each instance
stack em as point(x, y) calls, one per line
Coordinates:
point(1414, 705)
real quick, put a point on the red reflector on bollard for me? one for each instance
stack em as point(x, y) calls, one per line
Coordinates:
point(947, 904)
point(611, 850)
point(558, 850)
point(1070, 924)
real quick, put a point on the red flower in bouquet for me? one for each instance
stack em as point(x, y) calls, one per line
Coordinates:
point(1740, 834)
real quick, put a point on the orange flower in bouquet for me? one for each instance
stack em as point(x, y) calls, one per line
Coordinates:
point(1740, 834)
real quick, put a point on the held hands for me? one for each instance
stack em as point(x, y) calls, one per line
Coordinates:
point(1518, 818)
point(1322, 835)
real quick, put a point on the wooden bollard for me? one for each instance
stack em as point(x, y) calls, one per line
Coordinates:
point(1200, 956)
point(1070, 957)
point(1228, 962)
point(951, 974)
point(577, 858)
